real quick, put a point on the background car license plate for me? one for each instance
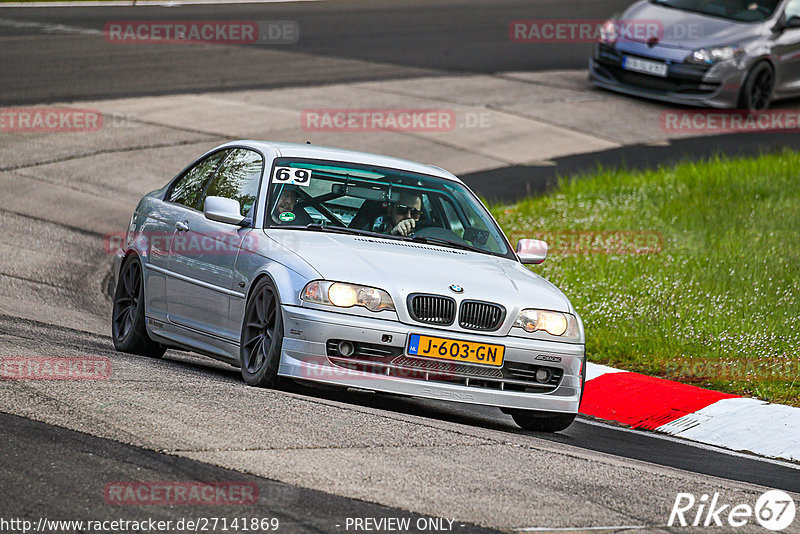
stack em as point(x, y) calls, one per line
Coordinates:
point(645, 66)
point(452, 349)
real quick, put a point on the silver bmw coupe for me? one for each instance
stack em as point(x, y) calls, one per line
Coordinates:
point(351, 269)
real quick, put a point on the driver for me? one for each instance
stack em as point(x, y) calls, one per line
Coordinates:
point(401, 216)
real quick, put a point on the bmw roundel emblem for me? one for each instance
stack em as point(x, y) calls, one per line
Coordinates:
point(455, 288)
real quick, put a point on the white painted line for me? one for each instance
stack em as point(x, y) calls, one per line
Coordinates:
point(695, 444)
point(579, 529)
point(162, 3)
point(48, 28)
point(743, 424)
point(593, 370)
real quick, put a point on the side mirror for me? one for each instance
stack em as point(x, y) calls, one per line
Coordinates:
point(224, 210)
point(791, 22)
point(531, 251)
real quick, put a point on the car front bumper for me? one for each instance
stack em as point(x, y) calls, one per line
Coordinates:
point(307, 355)
point(718, 86)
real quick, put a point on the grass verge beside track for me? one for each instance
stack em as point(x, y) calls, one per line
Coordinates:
point(690, 273)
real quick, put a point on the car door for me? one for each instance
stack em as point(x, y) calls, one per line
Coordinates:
point(181, 197)
point(203, 252)
point(786, 52)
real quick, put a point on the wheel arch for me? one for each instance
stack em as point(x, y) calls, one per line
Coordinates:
point(287, 283)
point(763, 59)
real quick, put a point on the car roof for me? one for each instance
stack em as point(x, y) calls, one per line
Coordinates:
point(294, 150)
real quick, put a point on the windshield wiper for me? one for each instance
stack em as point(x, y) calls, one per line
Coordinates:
point(336, 229)
point(447, 243)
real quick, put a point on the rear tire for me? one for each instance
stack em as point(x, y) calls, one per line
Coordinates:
point(262, 337)
point(756, 93)
point(542, 421)
point(128, 323)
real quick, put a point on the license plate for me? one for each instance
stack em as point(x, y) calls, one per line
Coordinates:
point(644, 66)
point(454, 350)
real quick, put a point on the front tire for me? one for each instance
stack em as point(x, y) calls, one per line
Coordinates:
point(542, 421)
point(128, 323)
point(262, 336)
point(756, 92)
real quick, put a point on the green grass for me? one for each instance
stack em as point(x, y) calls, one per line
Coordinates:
point(719, 305)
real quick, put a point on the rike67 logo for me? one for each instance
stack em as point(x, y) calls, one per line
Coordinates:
point(774, 510)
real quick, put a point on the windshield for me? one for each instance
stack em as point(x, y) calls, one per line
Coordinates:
point(738, 10)
point(397, 204)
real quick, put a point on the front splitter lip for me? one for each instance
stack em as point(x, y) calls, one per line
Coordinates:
point(721, 99)
point(292, 367)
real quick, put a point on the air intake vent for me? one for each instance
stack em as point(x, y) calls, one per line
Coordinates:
point(477, 315)
point(406, 244)
point(432, 309)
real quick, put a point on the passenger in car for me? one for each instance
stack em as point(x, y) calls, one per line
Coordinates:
point(286, 211)
point(285, 204)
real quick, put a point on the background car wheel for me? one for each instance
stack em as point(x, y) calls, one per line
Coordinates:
point(128, 327)
point(757, 90)
point(262, 336)
point(542, 421)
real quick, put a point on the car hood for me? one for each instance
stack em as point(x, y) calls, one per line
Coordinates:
point(402, 268)
point(689, 31)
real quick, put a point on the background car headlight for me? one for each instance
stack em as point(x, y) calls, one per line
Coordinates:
point(609, 32)
point(554, 323)
point(708, 56)
point(345, 295)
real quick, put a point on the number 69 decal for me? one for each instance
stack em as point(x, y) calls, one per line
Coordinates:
point(288, 175)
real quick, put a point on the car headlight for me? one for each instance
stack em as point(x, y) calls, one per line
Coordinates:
point(345, 295)
point(554, 323)
point(709, 56)
point(609, 32)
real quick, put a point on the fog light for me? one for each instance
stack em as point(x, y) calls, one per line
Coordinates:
point(543, 375)
point(346, 349)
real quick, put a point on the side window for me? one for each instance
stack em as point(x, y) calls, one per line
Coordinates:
point(792, 9)
point(238, 178)
point(189, 188)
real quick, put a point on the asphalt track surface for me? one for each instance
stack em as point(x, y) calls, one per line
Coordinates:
point(524, 180)
point(46, 56)
point(90, 463)
point(50, 469)
point(340, 41)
